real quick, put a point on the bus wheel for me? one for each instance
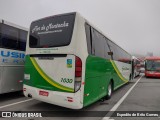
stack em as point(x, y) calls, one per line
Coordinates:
point(110, 90)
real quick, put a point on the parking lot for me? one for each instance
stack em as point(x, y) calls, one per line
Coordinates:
point(141, 94)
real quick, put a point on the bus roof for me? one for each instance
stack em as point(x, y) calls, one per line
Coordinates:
point(12, 24)
point(55, 16)
point(152, 58)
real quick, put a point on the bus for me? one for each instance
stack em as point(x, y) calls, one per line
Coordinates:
point(152, 67)
point(12, 53)
point(70, 63)
point(136, 66)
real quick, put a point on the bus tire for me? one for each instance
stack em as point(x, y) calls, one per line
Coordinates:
point(110, 90)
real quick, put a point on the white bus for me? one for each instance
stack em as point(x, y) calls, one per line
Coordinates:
point(12, 54)
point(136, 66)
point(71, 63)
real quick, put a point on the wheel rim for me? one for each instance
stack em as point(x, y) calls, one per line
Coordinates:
point(109, 90)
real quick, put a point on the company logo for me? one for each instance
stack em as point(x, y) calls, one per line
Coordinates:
point(11, 57)
point(124, 68)
point(6, 114)
point(20, 114)
point(12, 54)
point(50, 27)
point(69, 63)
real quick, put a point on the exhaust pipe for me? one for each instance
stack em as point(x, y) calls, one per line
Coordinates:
point(29, 95)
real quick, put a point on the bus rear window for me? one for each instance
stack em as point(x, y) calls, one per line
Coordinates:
point(53, 31)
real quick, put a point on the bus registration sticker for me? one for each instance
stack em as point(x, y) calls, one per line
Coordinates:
point(69, 63)
point(43, 93)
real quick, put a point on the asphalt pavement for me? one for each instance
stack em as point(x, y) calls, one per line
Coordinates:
point(143, 97)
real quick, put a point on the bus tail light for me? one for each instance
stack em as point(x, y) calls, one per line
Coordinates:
point(24, 89)
point(78, 74)
point(20, 81)
point(69, 99)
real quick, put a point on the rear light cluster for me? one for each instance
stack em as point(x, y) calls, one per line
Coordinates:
point(24, 89)
point(78, 74)
point(69, 99)
point(78, 70)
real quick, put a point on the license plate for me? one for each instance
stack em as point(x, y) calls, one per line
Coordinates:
point(43, 93)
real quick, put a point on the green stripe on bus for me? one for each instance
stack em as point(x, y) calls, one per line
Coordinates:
point(118, 72)
point(47, 78)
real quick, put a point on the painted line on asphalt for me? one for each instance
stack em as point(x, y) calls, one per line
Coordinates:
point(114, 108)
point(15, 103)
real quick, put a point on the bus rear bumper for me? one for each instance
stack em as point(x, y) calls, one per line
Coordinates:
point(68, 100)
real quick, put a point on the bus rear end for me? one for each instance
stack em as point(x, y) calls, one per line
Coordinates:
point(53, 69)
point(152, 67)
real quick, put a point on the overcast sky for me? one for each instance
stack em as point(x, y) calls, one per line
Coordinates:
point(132, 24)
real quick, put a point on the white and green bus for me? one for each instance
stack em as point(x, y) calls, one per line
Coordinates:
point(71, 63)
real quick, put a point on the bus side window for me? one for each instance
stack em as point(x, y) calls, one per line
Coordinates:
point(12, 38)
point(9, 37)
point(22, 40)
point(114, 50)
point(119, 54)
point(0, 35)
point(98, 46)
point(89, 38)
point(9, 42)
point(108, 53)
